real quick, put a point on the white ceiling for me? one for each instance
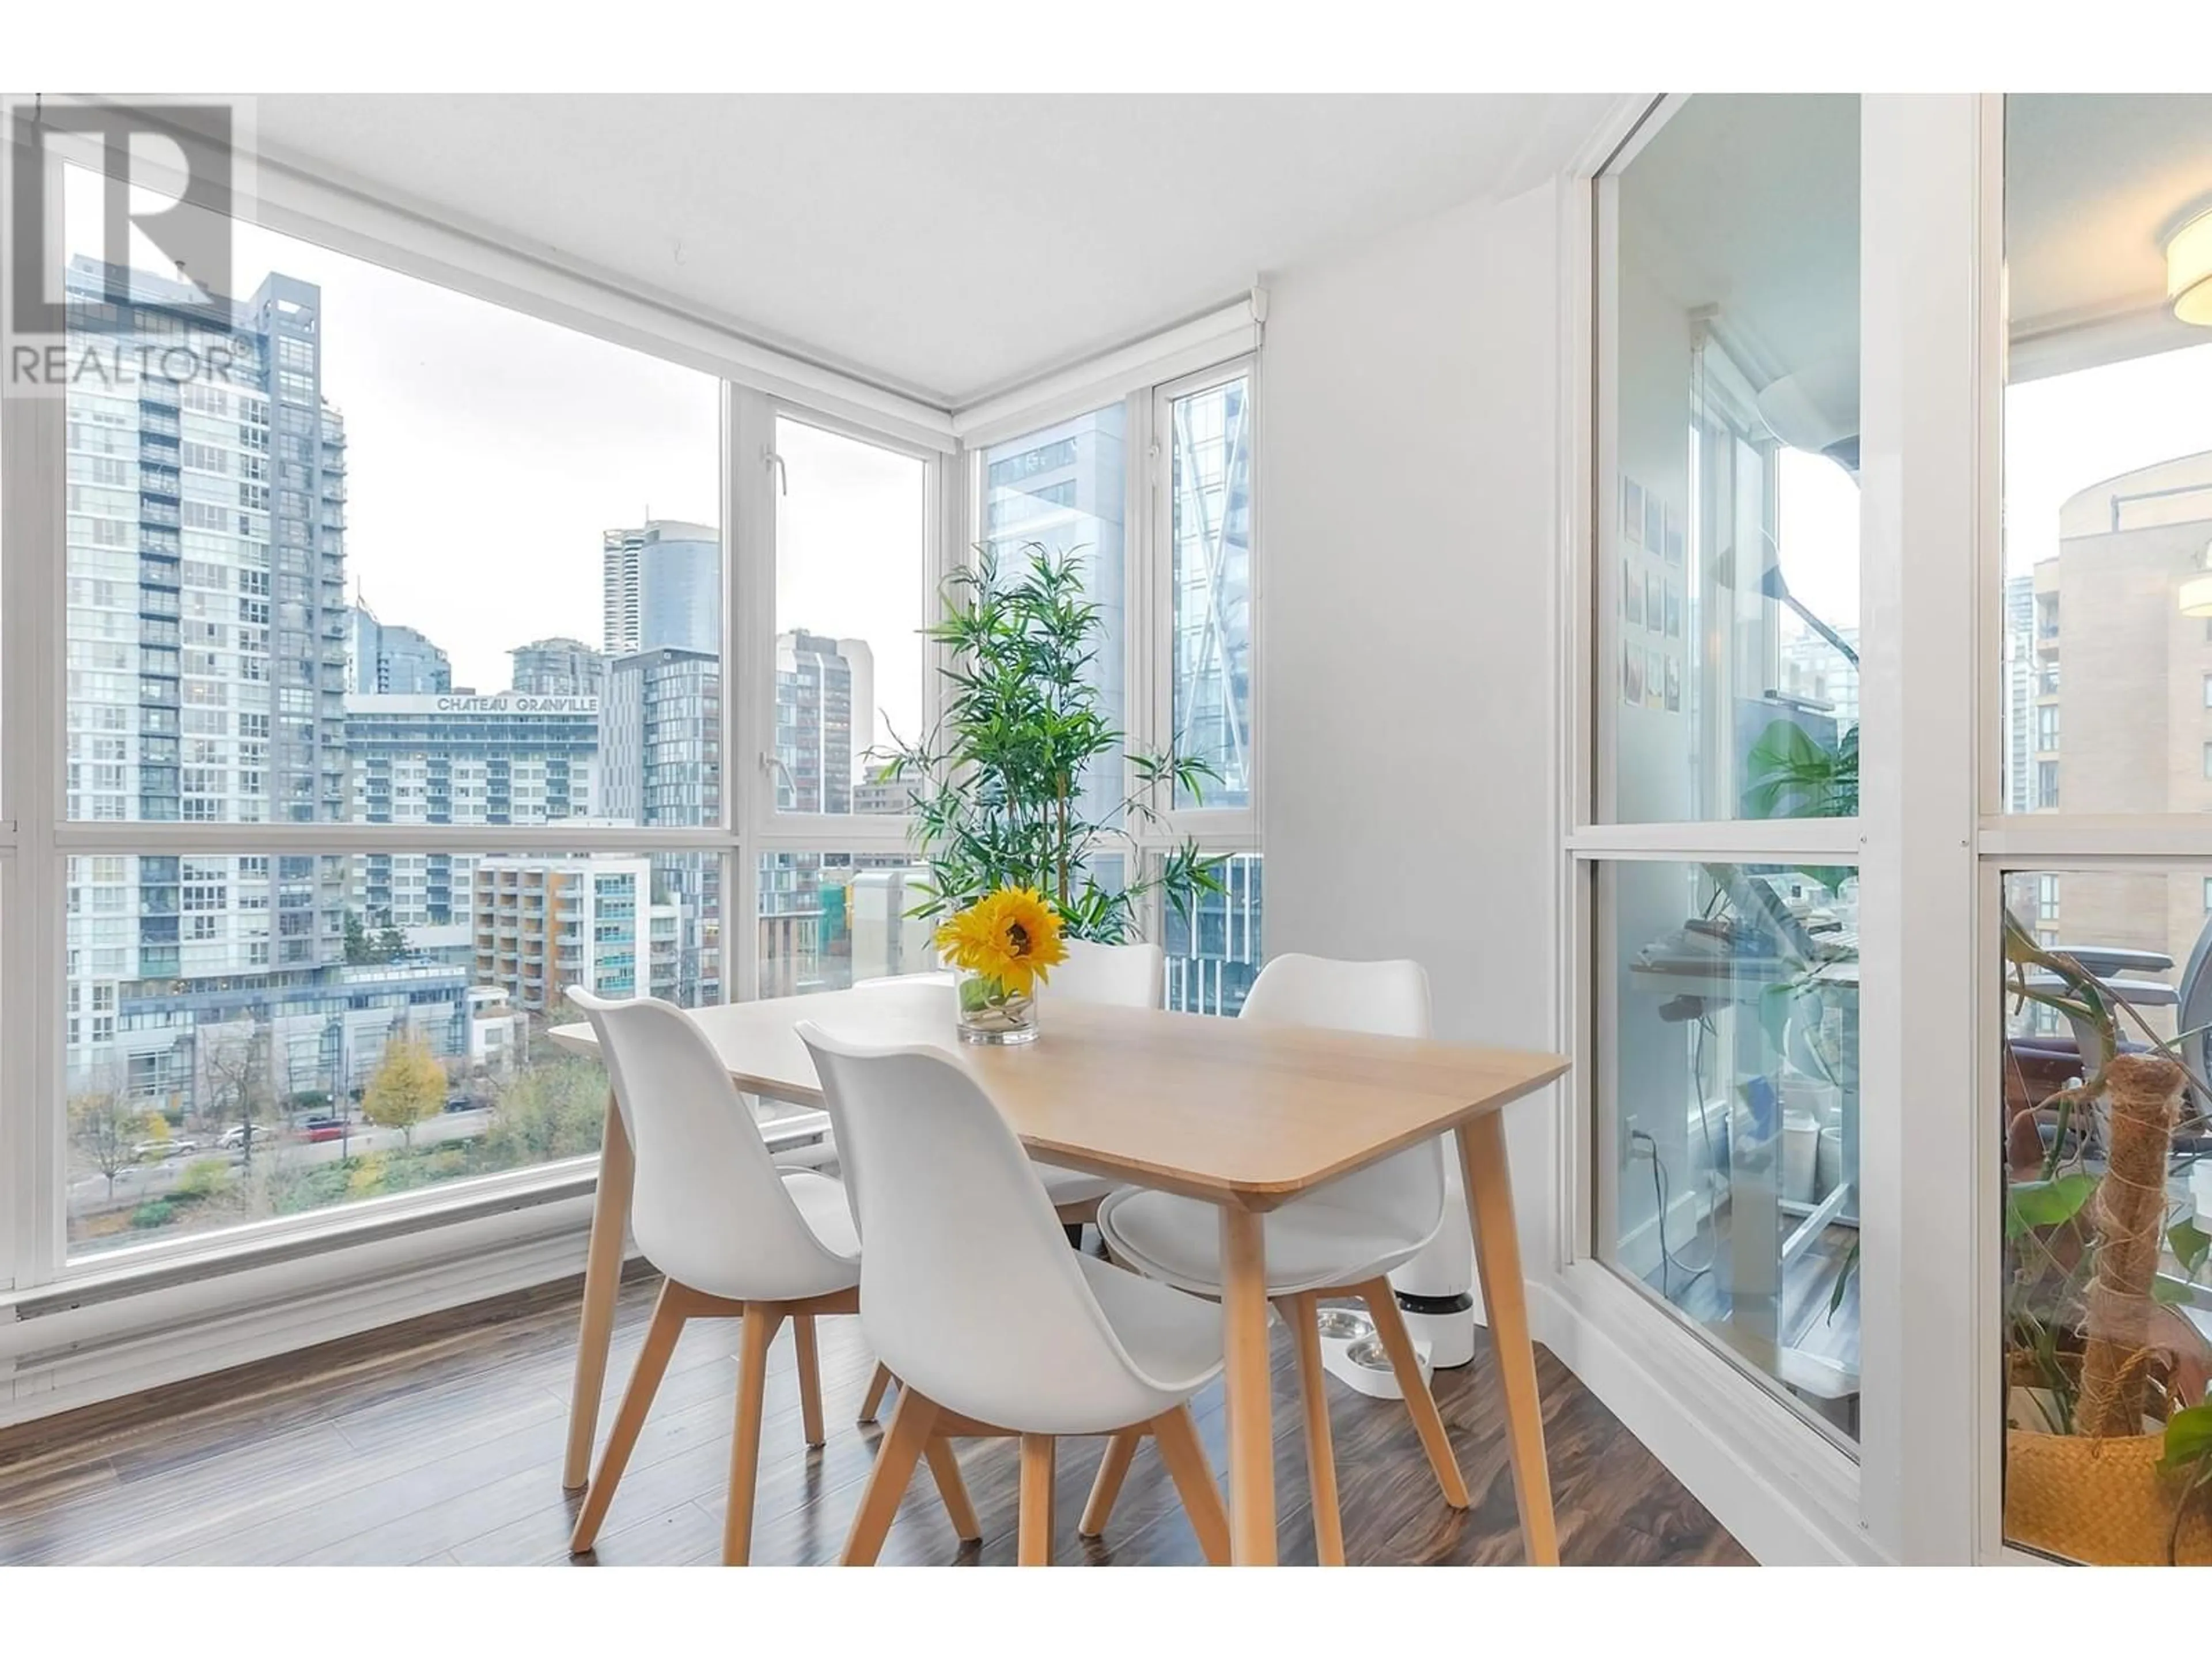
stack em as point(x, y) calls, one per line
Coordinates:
point(2095, 185)
point(945, 246)
point(1749, 203)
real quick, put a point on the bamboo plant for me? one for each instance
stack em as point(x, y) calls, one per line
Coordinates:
point(999, 783)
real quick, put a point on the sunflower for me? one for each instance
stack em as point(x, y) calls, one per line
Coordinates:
point(1011, 936)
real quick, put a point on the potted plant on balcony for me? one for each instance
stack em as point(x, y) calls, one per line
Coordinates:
point(2108, 1438)
point(998, 784)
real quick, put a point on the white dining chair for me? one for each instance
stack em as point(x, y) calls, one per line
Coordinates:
point(992, 1324)
point(1124, 975)
point(1120, 976)
point(734, 1236)
point(1341, 1241)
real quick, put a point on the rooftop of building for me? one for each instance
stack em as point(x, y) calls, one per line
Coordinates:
point(2177, 490)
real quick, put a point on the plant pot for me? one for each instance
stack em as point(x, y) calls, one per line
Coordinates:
point(991, 1011)
point(2103, 1502)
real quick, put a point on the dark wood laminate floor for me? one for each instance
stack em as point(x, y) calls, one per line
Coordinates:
point(441, 1442)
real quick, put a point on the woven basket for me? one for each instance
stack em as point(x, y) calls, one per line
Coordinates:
point(2100, 1501)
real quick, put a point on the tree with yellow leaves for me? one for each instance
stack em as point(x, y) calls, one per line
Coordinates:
point(410, 1085)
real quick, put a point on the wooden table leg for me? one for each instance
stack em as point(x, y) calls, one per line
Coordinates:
point(1244, 1346)
point(602, 1284)
point(1497, 1264)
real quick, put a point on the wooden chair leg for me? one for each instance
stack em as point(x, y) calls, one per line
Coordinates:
point(1301, 1313)
point(637, 1400)
point(810, 1377)
point(903, 1446)
point(1177, 1438)
point(1428, 1422)
point(760, 1323)
point(873, 1402)
point(1035, 1528)
point(945, 1469)
point(1113, 1469)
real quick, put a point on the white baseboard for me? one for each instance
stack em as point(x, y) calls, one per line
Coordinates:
point(1785, 1493)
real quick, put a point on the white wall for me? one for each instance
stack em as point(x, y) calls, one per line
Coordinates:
point(1406, 591)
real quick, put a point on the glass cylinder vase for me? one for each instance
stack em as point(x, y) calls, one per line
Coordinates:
point(992, 1011)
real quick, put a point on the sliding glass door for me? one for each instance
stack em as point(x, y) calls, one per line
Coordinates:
point(1726, 711)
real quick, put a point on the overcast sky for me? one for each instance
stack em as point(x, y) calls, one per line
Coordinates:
point(488, 450)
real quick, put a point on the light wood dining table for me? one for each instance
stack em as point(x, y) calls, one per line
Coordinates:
point(1242, 1115)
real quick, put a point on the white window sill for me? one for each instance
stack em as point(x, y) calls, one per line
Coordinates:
point(168, 1312)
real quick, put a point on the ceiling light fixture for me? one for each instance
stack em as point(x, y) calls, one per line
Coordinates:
point(2189, 271)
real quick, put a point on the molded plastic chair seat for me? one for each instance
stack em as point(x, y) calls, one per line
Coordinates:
point(1068, 1188)
point(992, 1326)
point(827, 1214)
point(1313, 1245)
point(1173, 1340)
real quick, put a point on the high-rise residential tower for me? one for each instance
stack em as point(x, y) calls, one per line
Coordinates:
point(207, 637)
point(660, 736)
point(558, 668)
point(2022, 680)
point(815, 678)
point(662, 586)
point(457, 758)
point(386, 657)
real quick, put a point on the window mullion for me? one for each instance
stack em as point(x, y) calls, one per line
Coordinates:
point(32, 1152)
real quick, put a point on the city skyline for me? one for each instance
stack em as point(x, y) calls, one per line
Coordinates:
point(569, 437)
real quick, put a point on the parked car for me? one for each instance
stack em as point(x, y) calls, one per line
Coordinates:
point(235, 1137)
point(157, 1152)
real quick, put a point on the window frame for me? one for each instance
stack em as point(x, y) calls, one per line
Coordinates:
point(1225, 828)
point(1148, 556)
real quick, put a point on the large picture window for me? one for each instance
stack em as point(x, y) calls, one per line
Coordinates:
point(368, 552)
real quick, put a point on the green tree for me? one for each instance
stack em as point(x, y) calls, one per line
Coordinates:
point(234, 1069)
point(551, 1110)
point(204, 1177)
point(410, 1085)
point(364, 947)
point(104, 1124)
